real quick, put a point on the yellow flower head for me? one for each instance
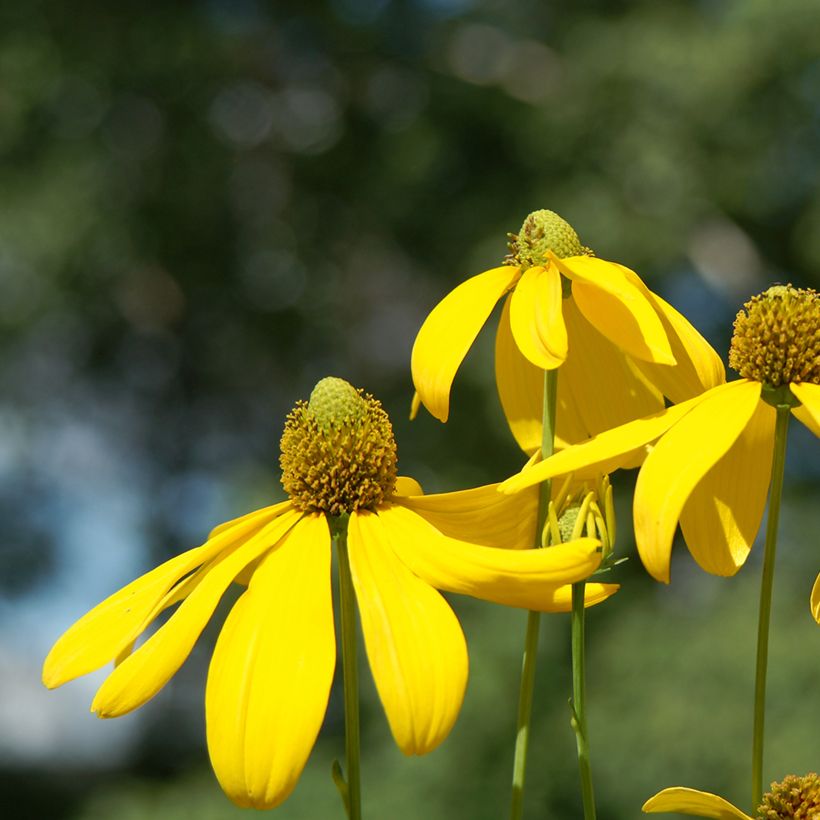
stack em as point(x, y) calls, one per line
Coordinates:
point(794, 798)
point(273, 664)
point(620, 347)
point(707, 461)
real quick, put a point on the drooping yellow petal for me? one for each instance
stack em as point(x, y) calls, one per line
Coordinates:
point(520, 386)
point(106, 631)
point(560, 600)
point(678, 463)
point(815, 600)
point(142, 674)
point(259, 516)
point(449, 331)
point(698, 366)
point(723, 513)
point(690, 801)
point(605, 452)
point(405, 485)
point(598, 384)
point(481, 515)
point(271, 671)
point(522, 578)
point(416, 649)
point(611, 303)
point(809, 411)
point(536, 317)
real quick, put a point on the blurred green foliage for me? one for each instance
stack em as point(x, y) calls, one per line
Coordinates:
point(206, 207)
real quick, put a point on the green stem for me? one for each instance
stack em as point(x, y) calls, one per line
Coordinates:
point(522, 736)
point(579, 719)
point(764, 616)
point(353, 802)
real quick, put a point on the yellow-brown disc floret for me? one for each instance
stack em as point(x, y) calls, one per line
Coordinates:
point(776, 339)
point(338, 453)
point(794, 797)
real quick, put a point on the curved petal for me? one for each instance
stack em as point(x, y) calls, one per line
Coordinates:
point(522, 578)
point(678, 463)
point(691, 801)
point(480, 515)
point(611, 303)
point(606, 451)
point(536, 317)
point(416, 649)
point(407, 486)
point(257, 516)
point(598, 384)
point(449, 331)
point(271, 671)
point(815, 600)
point(723, 513)
point(105, 632)
point(142, 674)
point(809, 411)
point(520, 386)
point(560, 599)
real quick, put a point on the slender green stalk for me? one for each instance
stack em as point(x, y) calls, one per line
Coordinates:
point(764, 616)
point(522, 736)
point(353, 792)
point(579, 719)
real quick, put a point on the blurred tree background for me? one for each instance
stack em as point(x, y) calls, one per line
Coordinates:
point(206, 207)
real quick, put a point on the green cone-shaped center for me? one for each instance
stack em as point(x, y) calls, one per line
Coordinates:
point(335, 402)
point(544, 231)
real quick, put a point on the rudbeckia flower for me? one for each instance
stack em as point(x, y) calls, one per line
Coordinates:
point(273, 664)
point(709, 458)
point(795, 798)
point(620, 347)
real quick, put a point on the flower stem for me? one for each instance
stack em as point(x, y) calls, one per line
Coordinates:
point(764, 616)
point(522, 736)
point(578, 705)
point(353, 795)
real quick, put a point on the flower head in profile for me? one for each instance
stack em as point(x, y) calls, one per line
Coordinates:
point(621, 348)
point(794, 798)
point(710, 463)
point(273, 664)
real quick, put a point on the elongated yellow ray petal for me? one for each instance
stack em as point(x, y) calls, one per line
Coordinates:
point(142, 674)
point(560, 600)
point(405, 485)
point(536, 319)
point(449, 331)
point(271, 671)
point(611, 303)
point(520, 386)
point(522, 578)
point(815, 600)
point(690, 801)
point(605, 452)
point(107, 630)
point(723, 513)
point(481, 515)
point(678, 463)
point(264, 515)
point(809, 411)
point(416, 649)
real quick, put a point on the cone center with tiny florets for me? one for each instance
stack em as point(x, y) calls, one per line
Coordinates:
point(776, 339)
point(541, 232)
point(338, 451)
point(794, 797)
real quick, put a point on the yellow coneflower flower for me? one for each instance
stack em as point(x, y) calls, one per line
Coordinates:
point(794, 798)
point(621, 348)
point(709, 468)
point(274, 660)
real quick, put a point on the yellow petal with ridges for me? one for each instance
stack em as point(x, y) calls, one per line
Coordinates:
point(449, 331)
point(605, 452)
point(522, 578)
point(416, 649)
point(809, 411)
point(815, 600)
point(105, 632)
point(261, 516)
point(536, 317)
point(271, 671)
point(723, 513)
point(611, 303)
point(680, 460)
point(691, 801)
point(480, 515)
point(520, 386)
point(143, 673)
